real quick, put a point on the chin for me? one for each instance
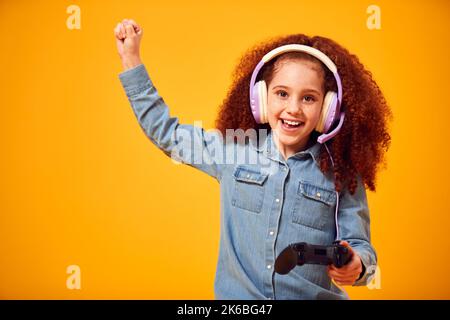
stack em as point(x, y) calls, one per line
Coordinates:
point(292, 139)
point(286, 138)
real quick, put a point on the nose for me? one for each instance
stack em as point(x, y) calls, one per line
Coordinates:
point(294, 107)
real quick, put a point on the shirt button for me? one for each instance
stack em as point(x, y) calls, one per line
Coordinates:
point(318, 194)
point(269, 266)
point(270, 298)
point(248, 176)
point(271, 233)
point(277, 200)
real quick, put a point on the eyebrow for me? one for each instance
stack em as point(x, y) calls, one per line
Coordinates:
point(309, 89)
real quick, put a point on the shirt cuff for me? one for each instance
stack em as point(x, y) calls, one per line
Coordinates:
point(368, 268)
point(135, 80)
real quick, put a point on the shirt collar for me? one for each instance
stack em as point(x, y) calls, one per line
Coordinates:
point(268, 147)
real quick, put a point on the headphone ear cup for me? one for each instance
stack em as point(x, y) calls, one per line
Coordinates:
point(259, 102)
point(328, 113)
point(256, 102)
point(263, 101)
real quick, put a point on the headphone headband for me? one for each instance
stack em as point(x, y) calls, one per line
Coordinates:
point(300, 47)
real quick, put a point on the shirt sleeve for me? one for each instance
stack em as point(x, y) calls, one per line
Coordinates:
point(354, 227)
point(188, 144)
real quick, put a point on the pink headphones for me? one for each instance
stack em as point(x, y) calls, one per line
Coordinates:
point(331, 104)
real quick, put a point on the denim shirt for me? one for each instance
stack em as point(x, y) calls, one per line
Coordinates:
point(267, 202)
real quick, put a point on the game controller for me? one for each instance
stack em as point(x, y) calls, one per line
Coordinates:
point(301, 253)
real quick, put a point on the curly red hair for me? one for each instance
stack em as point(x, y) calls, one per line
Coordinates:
point(359, 148)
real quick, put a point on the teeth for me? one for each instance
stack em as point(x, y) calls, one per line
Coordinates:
point(294, 123)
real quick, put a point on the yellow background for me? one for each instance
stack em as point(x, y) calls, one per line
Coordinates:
point(82, 185)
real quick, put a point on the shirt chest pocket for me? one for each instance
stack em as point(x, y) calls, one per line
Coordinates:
point(249, 188)
point(314, 205)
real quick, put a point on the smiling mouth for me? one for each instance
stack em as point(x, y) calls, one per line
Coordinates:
point(291, 124)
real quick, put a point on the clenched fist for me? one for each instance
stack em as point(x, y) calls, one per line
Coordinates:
point(128, 38)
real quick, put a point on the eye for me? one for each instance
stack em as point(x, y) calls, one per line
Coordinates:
point(310, 99)
point(281, 91)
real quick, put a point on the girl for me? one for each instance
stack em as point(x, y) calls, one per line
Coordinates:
point(321, 126)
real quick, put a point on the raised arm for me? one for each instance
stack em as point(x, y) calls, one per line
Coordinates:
point(184, 143)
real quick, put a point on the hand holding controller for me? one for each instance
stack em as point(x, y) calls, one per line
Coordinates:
point(304, 253)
